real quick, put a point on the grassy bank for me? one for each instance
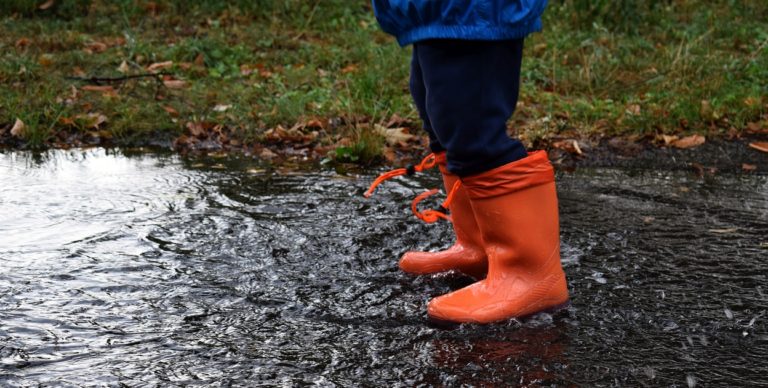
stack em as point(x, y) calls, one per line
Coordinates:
point(316, 78)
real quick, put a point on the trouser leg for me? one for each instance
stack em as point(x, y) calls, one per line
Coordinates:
point(470, 89)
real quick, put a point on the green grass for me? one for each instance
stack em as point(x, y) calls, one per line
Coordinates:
point(600, 68)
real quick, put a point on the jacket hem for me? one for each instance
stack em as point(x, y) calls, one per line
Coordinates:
point(467, 33)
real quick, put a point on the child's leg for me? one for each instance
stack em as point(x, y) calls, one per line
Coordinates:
point(470, 91)
point(419, 94)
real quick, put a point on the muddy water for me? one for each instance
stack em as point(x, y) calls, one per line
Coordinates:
point(153, 270)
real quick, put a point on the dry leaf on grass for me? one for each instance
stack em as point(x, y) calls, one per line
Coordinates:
point(175, 84)
point(155, 67)
point(689, 141)
point(571, 146)
point(123, 68)
point(105, 90)
point(760, 146)
point(395, 136)
point(18, 128)
point(46, 5)
point(23, 42)
point(669, 139)
point(171, 111)
point(95, 47)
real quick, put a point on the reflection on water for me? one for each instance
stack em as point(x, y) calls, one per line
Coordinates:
point(154, 270)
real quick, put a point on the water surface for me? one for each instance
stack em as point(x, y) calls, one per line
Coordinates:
point(157, 270)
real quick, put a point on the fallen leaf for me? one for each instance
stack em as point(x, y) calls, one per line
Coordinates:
point(633, 109)
point(23, 42)
point(96, 47)
point(266, 153)
point(394, 135)
point(349, 69)
point(689, 141)
point(123, 68)
point(69, 121)
point(669, 139)
point(18, 128)
point(175, 84)
point(171, 111)
point(760, 146)
point(571, 146)
point(748, 167)
point(105, 90)
point(396, 121)
point(196, 129)
point(293, 135)
point(46, 5)
point(757, 127)
point(155, 67)
point(200, 60)
point(314, 123)
point(45, 60)
point(221, 108)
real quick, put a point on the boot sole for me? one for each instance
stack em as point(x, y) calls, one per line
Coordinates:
point(554, 310)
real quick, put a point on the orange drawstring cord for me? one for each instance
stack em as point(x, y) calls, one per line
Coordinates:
point(428, 162)
point(430, 216)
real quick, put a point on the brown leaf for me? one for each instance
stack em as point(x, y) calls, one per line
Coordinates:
point(760, 127)
point(266, 153)
point(633, 109)
point(760, 146)
point(171, 111)
point(23, 42)
point(175, 84)
point(314, 123)
point(46, 5)
point(395, 136)
point(105, 90)
point(18, 128)
point(68, 121)
point(96, 47)
point(668, 139)
point(45, 60)
point(155, 67)
point(571, 146)
point(123, 68)
point(349, 69)
point(395, 121)
point(196, 129)
point(689, 141)
point(748, 167)
point(200, 60)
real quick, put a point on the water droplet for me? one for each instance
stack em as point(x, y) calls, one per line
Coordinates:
point(598, 277)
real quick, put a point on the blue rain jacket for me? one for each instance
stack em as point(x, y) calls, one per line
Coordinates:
point(414, 20)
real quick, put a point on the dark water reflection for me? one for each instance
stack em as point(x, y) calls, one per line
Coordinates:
point(151, 270)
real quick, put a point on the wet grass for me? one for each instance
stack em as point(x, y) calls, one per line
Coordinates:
point(247, 67)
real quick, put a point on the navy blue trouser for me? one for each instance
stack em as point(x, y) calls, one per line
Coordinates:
point(465, 91)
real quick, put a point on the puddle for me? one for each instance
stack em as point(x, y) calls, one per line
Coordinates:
point(154, 270)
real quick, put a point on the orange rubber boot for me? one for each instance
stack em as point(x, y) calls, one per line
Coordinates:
point(467, 254)
point(515, 207)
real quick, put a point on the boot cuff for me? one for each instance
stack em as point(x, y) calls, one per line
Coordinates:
point(533, 170)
